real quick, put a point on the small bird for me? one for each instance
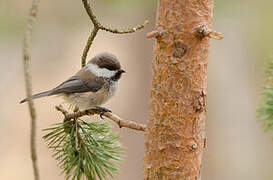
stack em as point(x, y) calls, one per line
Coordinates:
point(91, 86)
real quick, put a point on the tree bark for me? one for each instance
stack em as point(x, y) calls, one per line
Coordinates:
point(175, 133)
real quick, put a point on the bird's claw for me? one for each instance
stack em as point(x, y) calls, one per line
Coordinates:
point(87, 112)
point(101, 114)
point(102, 110)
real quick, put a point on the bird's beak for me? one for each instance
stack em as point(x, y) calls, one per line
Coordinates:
point(122, 71)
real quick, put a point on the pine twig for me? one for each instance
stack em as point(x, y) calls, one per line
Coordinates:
point(121, 122)
point(85, 150)
point(26, 61)
point(98, 26)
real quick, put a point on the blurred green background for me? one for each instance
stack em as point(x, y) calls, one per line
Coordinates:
point(237, 146)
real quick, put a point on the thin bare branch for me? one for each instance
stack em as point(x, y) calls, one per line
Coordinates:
point(98, 26)
point(26, 61)
point(121, 122)
point(125, 31)
point(90, 12)
point(88, 45)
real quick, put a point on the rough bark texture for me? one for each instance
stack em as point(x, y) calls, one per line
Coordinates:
point(175, 134)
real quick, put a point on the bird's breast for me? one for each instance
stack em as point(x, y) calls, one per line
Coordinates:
point(88, 100)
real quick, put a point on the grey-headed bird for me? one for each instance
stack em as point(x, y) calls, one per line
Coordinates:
point(91, 86)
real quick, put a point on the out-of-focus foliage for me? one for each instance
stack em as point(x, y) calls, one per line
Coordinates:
point(265, 111)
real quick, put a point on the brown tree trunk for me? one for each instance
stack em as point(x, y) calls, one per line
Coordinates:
point(175, 134)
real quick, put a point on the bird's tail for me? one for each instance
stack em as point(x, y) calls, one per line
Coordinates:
point(35, 96)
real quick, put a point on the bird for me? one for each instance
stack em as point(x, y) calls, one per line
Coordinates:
point(91, 86)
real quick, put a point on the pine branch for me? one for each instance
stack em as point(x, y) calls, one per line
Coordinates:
point(265, 110)
point(84, 149)
point(26, 61)
point(98, 26)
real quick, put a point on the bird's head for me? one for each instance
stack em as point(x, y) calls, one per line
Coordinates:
point(106, 65)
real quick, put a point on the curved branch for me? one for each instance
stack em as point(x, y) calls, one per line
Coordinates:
point(98, 26)
point(90, 12)
point(121, 122)
point(88, 45)
point(125, 31)
point(26, 61)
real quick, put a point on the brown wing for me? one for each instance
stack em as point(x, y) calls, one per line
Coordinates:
point(83, 81)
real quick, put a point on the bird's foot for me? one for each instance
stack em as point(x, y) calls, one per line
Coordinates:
point(102, 110)
point(76, 109)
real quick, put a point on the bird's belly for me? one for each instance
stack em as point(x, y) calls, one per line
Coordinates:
point(88, 100)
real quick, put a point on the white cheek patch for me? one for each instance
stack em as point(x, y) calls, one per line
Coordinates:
point(100, 72)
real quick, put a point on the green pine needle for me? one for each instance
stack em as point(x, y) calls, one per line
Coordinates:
point(265, 110)
point(89, 150)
